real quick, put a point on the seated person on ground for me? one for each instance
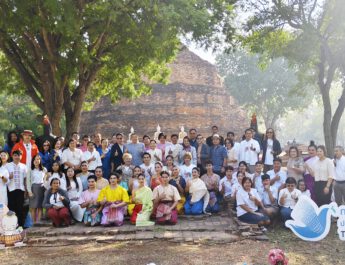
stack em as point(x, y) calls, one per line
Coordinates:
point(165, 200)
point(288, 198)
point(88, 200)
point(248, 203)
point(269, 195)
point(199, 197)
point(56, 203)
point(212, 183)
point(114, 200)
point(142, 198)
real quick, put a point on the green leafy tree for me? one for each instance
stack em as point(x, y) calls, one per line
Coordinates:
point(68, 52)
point(269, 91)
point(18, 113)
point(311, 34)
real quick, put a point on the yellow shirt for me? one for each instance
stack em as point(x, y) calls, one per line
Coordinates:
point(112, 195)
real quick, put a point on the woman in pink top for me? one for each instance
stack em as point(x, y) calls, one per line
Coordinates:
point(88, 200)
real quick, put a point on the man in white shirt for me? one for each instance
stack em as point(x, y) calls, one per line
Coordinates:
point(92, 157)
point(148, 168)
point(277, 175)
point(174, 148)
point(16, 186)
point(256, 177)
point(226, 189)
point(339, 183)
point(269, 196)
point(249, 150)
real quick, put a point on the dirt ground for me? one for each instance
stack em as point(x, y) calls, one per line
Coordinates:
point(329, 251)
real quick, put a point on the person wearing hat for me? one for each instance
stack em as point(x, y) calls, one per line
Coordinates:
point(209, 140)
point(27, 147)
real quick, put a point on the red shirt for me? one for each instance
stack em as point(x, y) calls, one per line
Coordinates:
point(20, 146)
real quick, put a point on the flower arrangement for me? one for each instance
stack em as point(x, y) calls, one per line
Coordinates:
point(277, 257)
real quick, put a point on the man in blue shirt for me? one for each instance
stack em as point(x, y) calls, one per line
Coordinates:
point(219, 156)
point(136, 149)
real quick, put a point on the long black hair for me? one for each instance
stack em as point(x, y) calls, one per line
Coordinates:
point(40, 166)
point(68, 183)
point(60, 173)
point(9, 142)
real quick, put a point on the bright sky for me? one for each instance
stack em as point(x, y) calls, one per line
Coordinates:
point(206, 55)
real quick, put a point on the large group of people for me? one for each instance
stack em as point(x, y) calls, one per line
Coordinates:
point(100, 181)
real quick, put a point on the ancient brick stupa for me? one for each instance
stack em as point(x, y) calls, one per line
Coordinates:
point(194, 98)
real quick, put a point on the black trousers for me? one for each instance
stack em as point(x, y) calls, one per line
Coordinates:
point(321, 197)
point(16, 204)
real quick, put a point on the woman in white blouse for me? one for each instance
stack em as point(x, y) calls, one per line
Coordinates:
point(288, 198)
point(74, 190)
point(248, 203)
point(324, 175)
point(56, 173)
point(232, 154)
point(72, 156)
point(35, 187)
point(4, 177)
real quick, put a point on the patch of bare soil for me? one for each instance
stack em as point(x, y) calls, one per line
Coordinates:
point(329, 251)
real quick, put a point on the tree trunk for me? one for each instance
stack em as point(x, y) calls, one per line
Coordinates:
point(337, 116)
point(325, 79)
point(73, 110)
point(56, 126)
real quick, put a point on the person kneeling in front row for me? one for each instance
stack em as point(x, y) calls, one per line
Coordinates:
point(165, 200)
point(114, 200)
point(288, 198)
point(248, 203)
point(56, 202)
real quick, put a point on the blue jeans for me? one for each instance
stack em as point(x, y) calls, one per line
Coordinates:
point(285, 213)
point(251, 218)
point(195, 208)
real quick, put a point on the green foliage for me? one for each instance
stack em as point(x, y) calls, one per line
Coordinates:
point(268, 91)
point(17, 113)
point(316, 46)
point(66, 52)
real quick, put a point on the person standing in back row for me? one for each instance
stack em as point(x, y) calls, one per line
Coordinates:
point(249, 150)
point(27, 147)
point(339, 183)
point(116, 152)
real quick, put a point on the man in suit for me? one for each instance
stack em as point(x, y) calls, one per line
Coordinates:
point(116, 152)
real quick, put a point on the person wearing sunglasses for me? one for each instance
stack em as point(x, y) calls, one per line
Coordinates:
point(270, 149)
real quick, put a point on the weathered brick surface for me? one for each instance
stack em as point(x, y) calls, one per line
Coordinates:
point(194, 98)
